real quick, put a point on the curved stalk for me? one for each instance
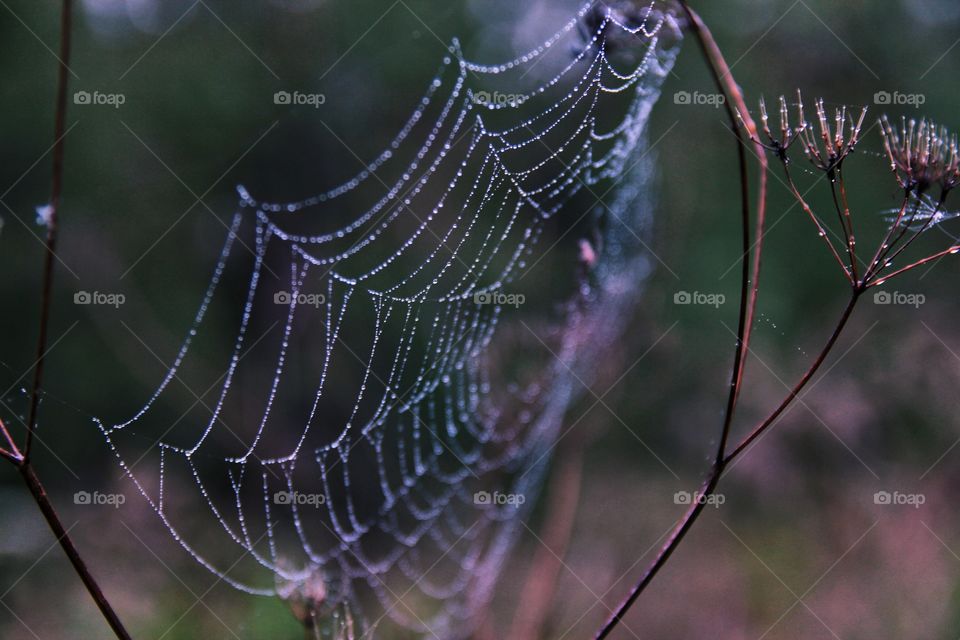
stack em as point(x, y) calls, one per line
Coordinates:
point(749, 289)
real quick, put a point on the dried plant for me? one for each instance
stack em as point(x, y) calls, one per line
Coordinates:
point(922, 157)
point(925, 166)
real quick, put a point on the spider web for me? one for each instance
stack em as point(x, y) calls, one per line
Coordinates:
point(385, 371)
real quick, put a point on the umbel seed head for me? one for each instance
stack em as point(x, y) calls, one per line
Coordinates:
point(786, 132)
point(921, 155)
point(827, 148)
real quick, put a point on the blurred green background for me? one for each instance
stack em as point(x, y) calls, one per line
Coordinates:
point(799, 549)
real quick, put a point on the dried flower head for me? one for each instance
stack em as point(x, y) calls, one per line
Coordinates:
point(834, 142)
point(780, 144)
point(836, 139)
point(921, 155)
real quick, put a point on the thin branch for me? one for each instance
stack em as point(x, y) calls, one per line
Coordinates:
point(749, 291)
point(710, 484)
point(883, 252)
point(11, 452)
point(676, 536)
point(53, 521)
point(846, 210)
point(887, 259)
point(60, 119)
point(11, 447)
point(763, 426)
point(821, 230)
point(738, 113)
point(846, 224)
point(936, 256)
point(883, 248)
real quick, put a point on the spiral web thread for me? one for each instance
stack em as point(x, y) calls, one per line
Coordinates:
point(364, 506)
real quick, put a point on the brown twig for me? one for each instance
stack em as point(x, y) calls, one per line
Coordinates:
point(954, 249)
point(795, 391)
point(50, 215)
point(11, 452)
point(821, 230)
point(53, 521)
point(709, 486)
point(39, 493)
point(886, 259)
point(843, 215)
point(750, 276)
point(883, 247)
point(851, 236)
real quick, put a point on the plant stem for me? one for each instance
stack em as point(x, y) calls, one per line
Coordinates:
point(679, 531)
point(53, 520)
point(821, 230)
point(750, 276)
point(843, 216)
point(886, 259)
point(11, 452)
point(851, 236)
point(936, 256)
point(709, 486)
point(760, 428)
point(60, 120)
point(749, 291)
point(883, 247)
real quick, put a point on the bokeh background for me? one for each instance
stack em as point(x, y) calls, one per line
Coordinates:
point(798, 549)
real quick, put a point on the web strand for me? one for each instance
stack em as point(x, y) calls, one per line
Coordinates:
point(369, 496)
